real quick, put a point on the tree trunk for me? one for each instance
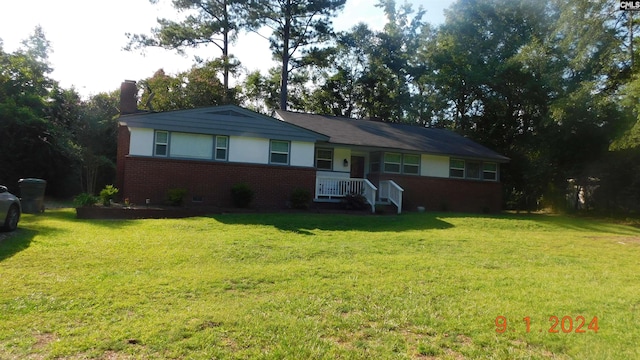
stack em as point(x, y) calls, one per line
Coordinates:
point(284, 73)
point(225, 54)
point(631, 38)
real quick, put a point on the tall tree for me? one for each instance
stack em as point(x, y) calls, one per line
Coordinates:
point(96, 136)
point(594, 43)
point(299, 28)
point(338, 90)
point(261, 92)
point(163, 92)
point(24, 83)
point(372, 74)
point(541, 83)
point(196, 87)
point(489, 64)
point(389, 75)
point(208, 22)
point(33, 120)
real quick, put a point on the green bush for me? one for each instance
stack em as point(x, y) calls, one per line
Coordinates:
point(85, 199)
point(176, 196)
point(242, 195)
point(300, 199)
point(107, 194)
point(355, 202)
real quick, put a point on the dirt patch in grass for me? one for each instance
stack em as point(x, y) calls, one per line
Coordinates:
point(113, 355)
point(464, 340)
point(44, 339)
point(629, 240)
point(622, 240)
point(454, 354)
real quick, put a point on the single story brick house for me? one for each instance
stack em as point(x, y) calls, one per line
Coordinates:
point(208, 150)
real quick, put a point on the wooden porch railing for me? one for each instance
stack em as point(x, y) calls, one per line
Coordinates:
point(392, 192)
point(335, 187)
point(370, 194)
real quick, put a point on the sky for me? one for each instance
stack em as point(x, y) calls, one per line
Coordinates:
point(87, 37)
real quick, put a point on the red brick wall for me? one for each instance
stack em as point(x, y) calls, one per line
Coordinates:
point(150, 178)
point(124, 138)
point(438, 194)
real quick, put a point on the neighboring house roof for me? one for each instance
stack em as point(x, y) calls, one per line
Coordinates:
point(221, 120)
point(369, 133)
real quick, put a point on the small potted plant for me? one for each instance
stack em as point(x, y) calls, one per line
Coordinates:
point(107, 194)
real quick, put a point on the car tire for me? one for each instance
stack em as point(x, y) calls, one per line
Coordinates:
point(11, 221)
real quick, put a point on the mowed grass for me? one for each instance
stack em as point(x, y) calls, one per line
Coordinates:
point(319, 286)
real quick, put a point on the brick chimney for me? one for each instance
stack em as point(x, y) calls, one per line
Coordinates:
point(128, 97)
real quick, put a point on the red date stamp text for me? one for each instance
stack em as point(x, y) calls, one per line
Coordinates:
point(565, 324)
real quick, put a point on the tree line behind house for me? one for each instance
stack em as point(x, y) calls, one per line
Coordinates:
point(551, 84)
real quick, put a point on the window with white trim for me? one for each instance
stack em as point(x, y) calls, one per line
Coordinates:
point(324, 159)
point(190, 146)
point(456, 168)
point(279, 153)
point(473, 170)
point(222, 146)
point(392, 162)
point(490, 171)
point(161, 143)
point(411, 164)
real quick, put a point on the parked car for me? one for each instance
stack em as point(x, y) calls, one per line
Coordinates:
point(10, 209)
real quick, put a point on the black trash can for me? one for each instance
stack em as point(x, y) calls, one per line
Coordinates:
point(32, 195)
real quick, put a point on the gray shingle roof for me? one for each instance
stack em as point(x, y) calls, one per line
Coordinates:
point(222, 120)
point(405, 137)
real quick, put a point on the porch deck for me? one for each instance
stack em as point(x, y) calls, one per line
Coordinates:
point(336, 188)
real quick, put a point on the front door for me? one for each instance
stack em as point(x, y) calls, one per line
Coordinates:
point(357, 167)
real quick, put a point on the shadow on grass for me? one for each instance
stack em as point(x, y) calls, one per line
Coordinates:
point(69, 215)
point(303, 223)
point(14, 242)
point(29, 226)
point(564, 222)
point(587, 224)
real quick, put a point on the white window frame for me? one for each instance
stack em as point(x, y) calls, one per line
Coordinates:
point(328, 160)
point(165, 144)
point(451, 168)
point(218, 147)
point(272, 152)
point(415, 165)
point(494, 172)
point(385, 162)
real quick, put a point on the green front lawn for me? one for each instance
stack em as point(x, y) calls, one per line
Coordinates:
point(311, 286)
